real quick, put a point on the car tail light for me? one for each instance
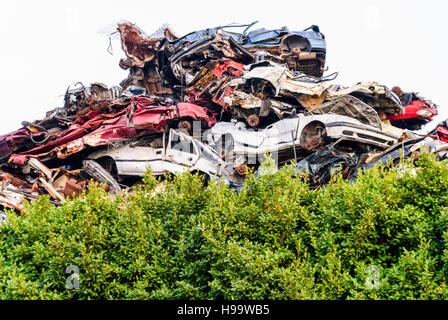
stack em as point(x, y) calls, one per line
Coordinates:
point(424, 113)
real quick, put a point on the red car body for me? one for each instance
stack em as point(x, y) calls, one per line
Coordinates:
point(143, 115)
point(416, 114)
point(440, 132)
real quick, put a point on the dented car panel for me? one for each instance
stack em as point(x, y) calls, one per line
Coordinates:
point(303, 51)
point(319, 167)
point(409, 149)
point(181, 153)
point(141, 53)
point(215, 102)
point(286, 84)
point(351, 107)
point(308, 132)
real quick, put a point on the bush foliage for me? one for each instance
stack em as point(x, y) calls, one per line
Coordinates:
point(383, 237)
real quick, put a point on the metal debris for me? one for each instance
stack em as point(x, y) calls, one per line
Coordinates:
point(213, 101)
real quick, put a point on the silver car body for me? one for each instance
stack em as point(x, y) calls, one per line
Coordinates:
point(182, 153)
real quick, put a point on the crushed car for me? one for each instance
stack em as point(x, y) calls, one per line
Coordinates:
point(216, 102)
point(418, 111)
point(297, 135)
point(172, 153)
point(440, 132)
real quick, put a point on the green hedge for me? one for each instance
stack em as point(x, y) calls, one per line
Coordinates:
point(383, 237)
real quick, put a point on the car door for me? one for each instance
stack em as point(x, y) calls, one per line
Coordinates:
point(181, 152)
point(279, 135)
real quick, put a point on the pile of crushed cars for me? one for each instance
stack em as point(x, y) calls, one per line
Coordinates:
point(215, 102)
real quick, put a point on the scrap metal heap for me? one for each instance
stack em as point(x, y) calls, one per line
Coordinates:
point(215, 102)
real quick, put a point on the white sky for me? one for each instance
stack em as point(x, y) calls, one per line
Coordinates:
point(48, 45)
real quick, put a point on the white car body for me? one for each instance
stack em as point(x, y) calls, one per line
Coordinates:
point(287, 133)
